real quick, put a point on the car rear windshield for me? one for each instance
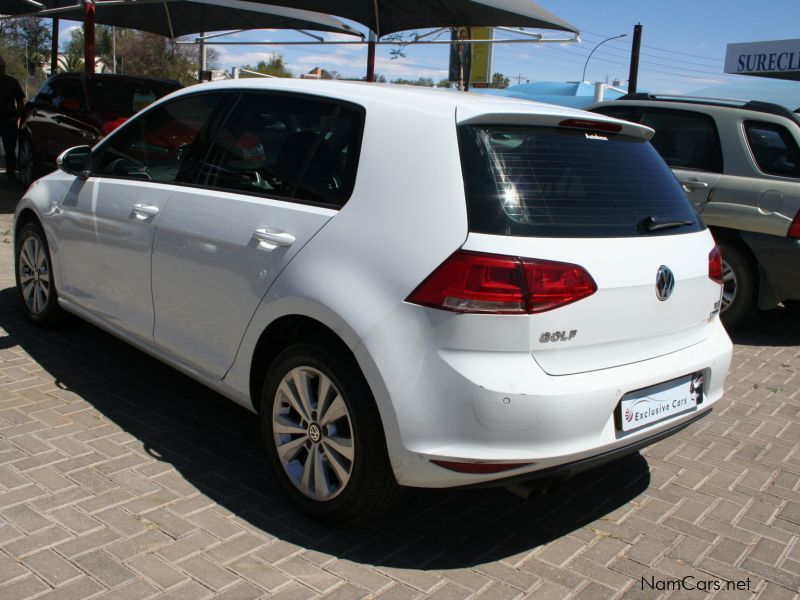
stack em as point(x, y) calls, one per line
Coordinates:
point(123, 97)
point(559, 182)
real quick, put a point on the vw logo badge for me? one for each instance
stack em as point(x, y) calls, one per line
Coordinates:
point(665, 283)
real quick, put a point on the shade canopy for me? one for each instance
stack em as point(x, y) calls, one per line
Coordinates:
point(174, 18)
point(25, 7)
point(390, 16)
point(19, 7)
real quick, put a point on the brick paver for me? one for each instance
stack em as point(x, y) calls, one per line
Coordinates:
point(120, 478)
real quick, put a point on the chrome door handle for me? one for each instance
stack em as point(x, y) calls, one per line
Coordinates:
point(269, 239)
point(692, 184)
point(144, 211)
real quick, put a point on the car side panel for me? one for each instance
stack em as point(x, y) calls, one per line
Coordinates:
point(779, 257)
point(209, 273)
point(411, 218)
point(105, 250)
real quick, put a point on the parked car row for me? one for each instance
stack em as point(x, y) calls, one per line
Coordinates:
point(740, 164)
point(409, 287)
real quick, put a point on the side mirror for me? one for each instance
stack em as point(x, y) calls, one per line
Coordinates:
point(76, 161)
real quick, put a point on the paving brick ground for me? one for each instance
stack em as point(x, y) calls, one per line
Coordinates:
point(120, 478)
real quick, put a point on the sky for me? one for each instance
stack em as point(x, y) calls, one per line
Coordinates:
point(683, 44)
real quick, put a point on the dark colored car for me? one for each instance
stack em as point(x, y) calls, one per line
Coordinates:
point(78, 109)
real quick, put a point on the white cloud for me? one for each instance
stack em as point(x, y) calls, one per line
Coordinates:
point(351, 65)
point(66, 33)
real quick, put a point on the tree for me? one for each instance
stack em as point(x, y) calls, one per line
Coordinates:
point(444, 83)
point(499, 81)
point(102, 43)
point(275, 65)
point(421, 82)
point(31, 37)
point(150, 55)
point(70, 63)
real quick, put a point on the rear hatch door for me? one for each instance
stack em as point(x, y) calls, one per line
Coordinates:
point(600, 198)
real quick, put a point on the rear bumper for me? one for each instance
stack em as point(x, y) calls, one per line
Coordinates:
point(779, 257)
point(501, 407)
point(585, 464)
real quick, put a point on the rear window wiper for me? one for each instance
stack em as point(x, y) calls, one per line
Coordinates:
point(651, 224)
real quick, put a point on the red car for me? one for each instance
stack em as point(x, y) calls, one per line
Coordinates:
point(78, 109)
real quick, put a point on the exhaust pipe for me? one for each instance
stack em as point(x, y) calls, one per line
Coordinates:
point(543, 487)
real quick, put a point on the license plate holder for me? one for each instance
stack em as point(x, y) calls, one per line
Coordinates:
point(648, 406)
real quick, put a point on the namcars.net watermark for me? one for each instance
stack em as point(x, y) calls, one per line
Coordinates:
point(691, 583)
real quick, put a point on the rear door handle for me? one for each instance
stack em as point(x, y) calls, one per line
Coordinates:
point(693, 184)
point(144, 211)
point(269, 239)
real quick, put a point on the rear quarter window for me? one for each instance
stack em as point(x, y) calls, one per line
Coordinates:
point(557, 182)
point(774, 149)
point(685, 139)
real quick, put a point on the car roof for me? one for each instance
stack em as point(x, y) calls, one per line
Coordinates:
point(407, 98)
point(116, 76)
point(645, 99)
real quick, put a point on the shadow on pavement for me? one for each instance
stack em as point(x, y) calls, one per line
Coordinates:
point(214, 444)
point(777, 327)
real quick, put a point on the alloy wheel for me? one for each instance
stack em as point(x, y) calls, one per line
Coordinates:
point(25, 162)
point(34, 275)
point(728, 286)
point(313, 433)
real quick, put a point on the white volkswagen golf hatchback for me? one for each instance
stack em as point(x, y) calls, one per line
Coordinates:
point(410, 287)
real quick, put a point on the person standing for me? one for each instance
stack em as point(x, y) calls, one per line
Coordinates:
point(11, 103)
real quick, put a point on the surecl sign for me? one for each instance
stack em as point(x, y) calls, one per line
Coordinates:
point(779, 59)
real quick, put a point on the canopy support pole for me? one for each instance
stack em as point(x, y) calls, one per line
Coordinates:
point(88, 36)
point(54, 48)
point(371, 57)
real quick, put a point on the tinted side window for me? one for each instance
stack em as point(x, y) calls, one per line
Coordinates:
point(685, 139)
point(288, 147)
point(166, 144)
point(626, 113)
point(773, 148)
point(548, 182)
point(45, 95)
point(68, 94)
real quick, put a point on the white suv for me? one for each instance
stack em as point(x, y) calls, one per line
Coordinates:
point(411, 287)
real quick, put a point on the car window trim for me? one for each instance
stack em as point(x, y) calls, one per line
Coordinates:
point(240, 92)
point(744, 124)
point(257, 195)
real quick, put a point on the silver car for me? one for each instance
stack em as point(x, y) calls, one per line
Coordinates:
point(740, 164)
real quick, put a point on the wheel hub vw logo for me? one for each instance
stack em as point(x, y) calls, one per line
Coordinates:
point(665, 283)
point(314, 433)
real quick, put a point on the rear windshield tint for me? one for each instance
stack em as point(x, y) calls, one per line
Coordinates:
point(547, 182)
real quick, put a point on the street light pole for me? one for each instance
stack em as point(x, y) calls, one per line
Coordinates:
point(586, 64)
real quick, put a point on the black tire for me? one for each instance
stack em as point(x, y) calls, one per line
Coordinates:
point(743, 304)
point(26, 162)
point(41, 307)
point(371, 488)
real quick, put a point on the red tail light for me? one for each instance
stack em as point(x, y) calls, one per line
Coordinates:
point(591, 125)
point(471, 282)
point(715, 265)
point(794, 229)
